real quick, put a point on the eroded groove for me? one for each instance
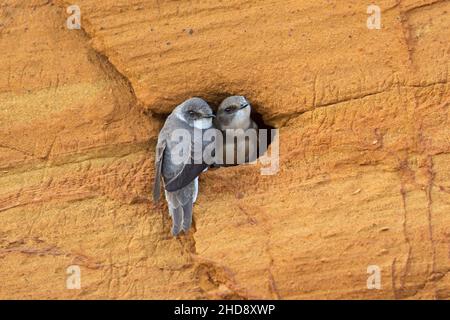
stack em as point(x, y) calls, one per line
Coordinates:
point(423, 6)
point(284, 120)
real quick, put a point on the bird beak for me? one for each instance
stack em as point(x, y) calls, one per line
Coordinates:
point(244, 106)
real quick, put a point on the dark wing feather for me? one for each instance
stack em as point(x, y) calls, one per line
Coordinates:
point(188, 172)
point(185, 173)
point(185, 176)
point(160, 148)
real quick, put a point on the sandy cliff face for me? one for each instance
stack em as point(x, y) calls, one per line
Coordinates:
point(364, 149)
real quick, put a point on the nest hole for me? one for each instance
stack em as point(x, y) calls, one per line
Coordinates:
point(214, 100)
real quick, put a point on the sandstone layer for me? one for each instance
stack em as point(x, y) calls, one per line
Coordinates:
point(364, 136)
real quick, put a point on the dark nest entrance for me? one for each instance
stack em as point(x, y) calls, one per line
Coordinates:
point(214, 100)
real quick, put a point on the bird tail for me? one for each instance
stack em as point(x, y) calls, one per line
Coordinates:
point(187, 216)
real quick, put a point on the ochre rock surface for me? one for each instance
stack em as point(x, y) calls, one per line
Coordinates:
point(364, 139)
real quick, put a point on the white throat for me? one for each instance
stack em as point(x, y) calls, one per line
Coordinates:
point(204, 123)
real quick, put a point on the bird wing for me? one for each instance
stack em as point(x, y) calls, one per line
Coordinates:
point(187, 174)
point(187, 171)
point(160, 148)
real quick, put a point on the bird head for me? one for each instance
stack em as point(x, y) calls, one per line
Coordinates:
point(196, 113)
point(233, 113)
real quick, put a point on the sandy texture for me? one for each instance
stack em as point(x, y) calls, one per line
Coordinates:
point(364, 149)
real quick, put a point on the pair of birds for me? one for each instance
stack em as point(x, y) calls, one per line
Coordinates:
point(181, 179)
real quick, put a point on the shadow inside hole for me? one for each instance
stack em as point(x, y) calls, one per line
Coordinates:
point(270, 136)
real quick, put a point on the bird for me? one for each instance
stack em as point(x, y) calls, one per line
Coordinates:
point(234, 120)
point(180, 178)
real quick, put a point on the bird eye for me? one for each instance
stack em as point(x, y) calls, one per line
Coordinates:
point(191, 113)
point(228, 109)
